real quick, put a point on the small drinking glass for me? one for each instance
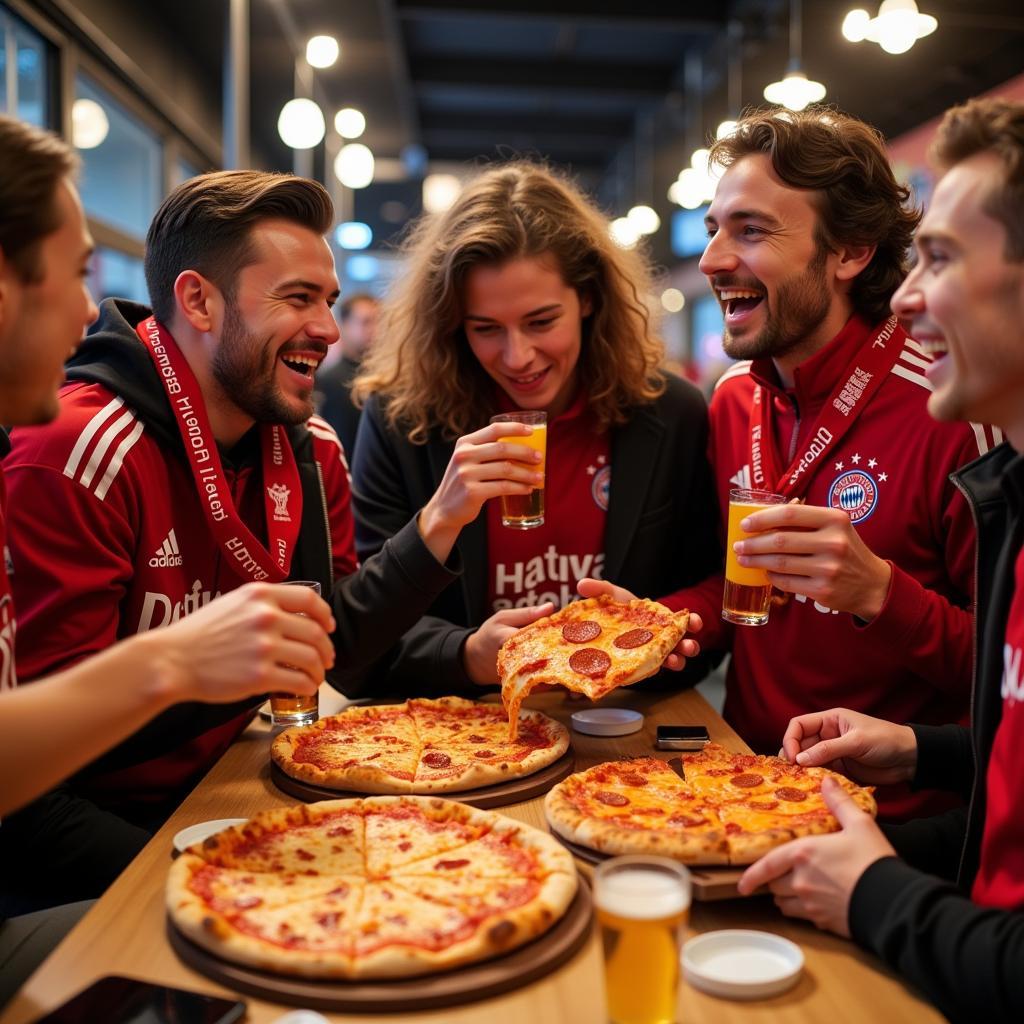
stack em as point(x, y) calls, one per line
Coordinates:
point(525, 511)
point(296, 708)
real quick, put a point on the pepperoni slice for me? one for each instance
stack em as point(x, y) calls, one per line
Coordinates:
point(633, 779)
point(450, 865)
point(435, 759)
point(475, 738)
point(687, 820)
point(791, 794)
point(747, 781)
point(589, 661)
point(581, 632)
point(605, 796)
point(634, 638)
point(485, 753)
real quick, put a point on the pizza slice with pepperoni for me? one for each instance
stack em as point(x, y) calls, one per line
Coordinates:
point(591, 646)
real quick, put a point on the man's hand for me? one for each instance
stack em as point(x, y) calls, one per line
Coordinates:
point(256, 639)
point(481, 467)
point(480, 653)
point(815, 877)
point(686, 648)
point(866, 749)
point(816, 552)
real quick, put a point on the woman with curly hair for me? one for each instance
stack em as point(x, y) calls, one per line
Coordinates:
point(517, 298)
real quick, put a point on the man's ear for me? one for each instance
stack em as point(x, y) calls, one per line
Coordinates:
point(586, 305)
point(852, 260)
point(199, 302)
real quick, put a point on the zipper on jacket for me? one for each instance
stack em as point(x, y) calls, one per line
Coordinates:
point(327, 526)
point(972, 505)
point(796, 430)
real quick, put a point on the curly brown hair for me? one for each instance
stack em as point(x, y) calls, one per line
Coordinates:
point(859, 201)
point(990, 126)
point(422, 364)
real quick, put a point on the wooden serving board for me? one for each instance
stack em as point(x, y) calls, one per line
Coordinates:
point(431, 991)
point(708, 883)
point(513, 791)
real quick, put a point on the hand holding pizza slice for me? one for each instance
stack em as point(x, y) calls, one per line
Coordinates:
point(591, 646)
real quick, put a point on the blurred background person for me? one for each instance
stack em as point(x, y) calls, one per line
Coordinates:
point(357, 316)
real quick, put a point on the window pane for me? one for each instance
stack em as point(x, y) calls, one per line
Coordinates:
point(186, 170)
point(3, 60)
point(113, 273)
point(31, 76)
point(121, 173)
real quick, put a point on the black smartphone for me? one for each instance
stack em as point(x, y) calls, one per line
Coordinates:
point(116, 1000)
point(682, 737)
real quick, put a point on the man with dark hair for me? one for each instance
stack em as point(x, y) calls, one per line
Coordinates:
point(187, 462)
point(957, 931)
point(358, 316)
point(807, 239)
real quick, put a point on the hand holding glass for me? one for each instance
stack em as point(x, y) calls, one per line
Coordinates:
point(525, 511)
point(747, 595)
point(296, 708)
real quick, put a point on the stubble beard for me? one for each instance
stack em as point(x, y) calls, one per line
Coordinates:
point(802, 304)
point(243, 366)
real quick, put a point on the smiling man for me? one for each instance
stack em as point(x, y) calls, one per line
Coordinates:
point(950, 917)
point(808, 234)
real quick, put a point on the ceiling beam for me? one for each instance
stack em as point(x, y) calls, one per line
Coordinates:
point(680, 17)
point(507, 75)
point(451, 118)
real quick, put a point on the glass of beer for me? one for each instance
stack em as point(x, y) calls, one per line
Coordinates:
point(643, 905)
point(525, 511)
point(748, 592)
point(296, 708)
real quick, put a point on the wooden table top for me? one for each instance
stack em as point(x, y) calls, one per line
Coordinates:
point(125, 932)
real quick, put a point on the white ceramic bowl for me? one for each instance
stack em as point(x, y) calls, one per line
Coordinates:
point(203, 830)
point(742, 964)
point(607, 721)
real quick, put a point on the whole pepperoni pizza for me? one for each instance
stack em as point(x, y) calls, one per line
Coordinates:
point(380, 887)
point(420, 746)
point(729, 808)
point(590, 646)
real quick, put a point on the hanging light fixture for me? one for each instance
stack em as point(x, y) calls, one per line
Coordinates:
point(353, 166)
point(735, 81)
point(898, 25)
point(795, 91)
point(322, 51)
point(301, 124)
point(349, 123)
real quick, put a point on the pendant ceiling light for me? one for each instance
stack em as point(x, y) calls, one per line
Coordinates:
point(897, 27)
point(796, 90)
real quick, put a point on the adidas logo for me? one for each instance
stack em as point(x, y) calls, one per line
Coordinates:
point(167, 555)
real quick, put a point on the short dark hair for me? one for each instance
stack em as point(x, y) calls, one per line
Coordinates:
point(33, 163)
point(859, 200)
point(347, 305)
point(206, 222)
point(990, 126)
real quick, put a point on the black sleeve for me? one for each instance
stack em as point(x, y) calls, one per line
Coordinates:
point(945, 759)
point(386, 596)
point(391, 482)
point(966, 959)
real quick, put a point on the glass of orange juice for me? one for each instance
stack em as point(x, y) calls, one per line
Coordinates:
point(525, 511)
point(746, 597)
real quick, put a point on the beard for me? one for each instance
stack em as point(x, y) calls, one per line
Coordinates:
point(243, 365)
point(801, 304)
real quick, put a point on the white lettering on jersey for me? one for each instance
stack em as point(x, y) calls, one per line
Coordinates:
point(159, 610)
point(560, 572)
point(1013, 684)
point(803, 599)
point(742, 478)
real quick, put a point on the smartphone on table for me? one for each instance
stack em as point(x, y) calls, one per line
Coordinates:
point(117, 1000)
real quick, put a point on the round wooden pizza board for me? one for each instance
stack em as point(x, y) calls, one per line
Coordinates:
point(462, 985)
point(708, 883)
point(513, 791)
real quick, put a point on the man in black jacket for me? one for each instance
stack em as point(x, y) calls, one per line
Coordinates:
point(949, 915)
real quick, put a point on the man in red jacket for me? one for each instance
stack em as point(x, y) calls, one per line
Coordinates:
point(808, 234)
point(950, 914)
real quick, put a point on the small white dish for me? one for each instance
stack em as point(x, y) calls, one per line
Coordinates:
point(742, 964)
point(203, 830)
point(607, 721)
